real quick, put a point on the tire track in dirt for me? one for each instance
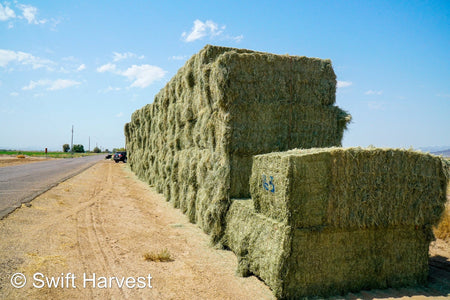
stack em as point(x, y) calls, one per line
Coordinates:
point(93, 240)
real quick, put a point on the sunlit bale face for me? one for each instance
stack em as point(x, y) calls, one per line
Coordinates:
point(196, 142)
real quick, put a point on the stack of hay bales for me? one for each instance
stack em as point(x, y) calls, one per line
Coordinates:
point(196, 141)
point(330, 221)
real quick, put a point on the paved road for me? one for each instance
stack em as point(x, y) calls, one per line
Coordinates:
point(22, 183)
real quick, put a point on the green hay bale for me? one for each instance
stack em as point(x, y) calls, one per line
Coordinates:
point(332, 262)
point(330, 221)
point(228, 104)
point(349, 188)
point(303, 262)
point(261, 244)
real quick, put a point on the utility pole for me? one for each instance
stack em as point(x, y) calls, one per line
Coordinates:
point(89, 149)
point(71, 143)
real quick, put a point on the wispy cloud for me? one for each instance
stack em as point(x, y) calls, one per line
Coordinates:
point(237, 39)
point(372, 92)
point(143, 75)
point(344, 84)
point(119, 114)
point(126, 55)
point(9, 56)
point(60, 84)
point(81, 67)
point(29, 13)
point(25, 12)
point(209, 29)
point(109, 67)
point(178, 57)
point(6, 13)
point(52, 85)
point(14, 94)
point(33, 84)
point(109, 89)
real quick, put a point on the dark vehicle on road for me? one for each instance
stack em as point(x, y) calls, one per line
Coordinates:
point(120, 156)
point(108, 156)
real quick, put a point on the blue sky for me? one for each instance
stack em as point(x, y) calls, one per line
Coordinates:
point(91, 64)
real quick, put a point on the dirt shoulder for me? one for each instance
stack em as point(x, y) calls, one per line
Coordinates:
point(13, 160)
point(104, 221)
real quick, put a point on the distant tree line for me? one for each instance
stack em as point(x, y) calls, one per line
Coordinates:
point(78, 148)
point(96, 150)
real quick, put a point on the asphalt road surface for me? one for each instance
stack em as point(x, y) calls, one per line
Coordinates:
point(22, 183)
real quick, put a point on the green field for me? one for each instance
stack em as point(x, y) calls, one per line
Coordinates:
point(42, 153)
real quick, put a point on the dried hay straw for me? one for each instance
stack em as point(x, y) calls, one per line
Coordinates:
point(350, 188)
point(329, 221)
point(196, 141)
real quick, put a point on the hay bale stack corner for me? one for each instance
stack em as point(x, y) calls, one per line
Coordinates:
point(330, 221)
point(196, 141)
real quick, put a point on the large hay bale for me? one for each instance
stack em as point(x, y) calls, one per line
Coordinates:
point(350, 188)
point(262, 244)
point(305, 262)
point(196, 141)
point(329, 221)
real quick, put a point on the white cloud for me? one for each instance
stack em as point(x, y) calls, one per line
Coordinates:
point(119, 114)
point(126, 55)
point(34, 84)
point(29, 13)
point(52, 85)
point(9, 56)
point(202, 29)
point(6, 13)
point(109, 89)
point(14, 94)
point(143, 75)
point(81, 67)
point(60, 84)
point(343, 84)
point(178, 57)
point(109, 67)
point(371, 92)
point(67, 58)
point(238, 38)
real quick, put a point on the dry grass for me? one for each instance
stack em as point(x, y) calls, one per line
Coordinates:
point(161, 256)
point(442, 231)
